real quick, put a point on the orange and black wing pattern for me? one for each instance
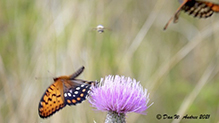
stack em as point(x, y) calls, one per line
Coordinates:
point(200, 9)
point(52, 100)
point(66, 90)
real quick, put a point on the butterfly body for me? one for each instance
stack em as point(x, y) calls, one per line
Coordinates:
point(66, 90)
point(200, 9)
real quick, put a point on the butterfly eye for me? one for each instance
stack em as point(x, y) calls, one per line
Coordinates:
point(55, 79)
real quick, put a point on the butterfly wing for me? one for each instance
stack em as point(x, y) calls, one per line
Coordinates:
point(199, 9)
point(77, 73)
point(214, 7)
point(52, 100)
point(75, 91)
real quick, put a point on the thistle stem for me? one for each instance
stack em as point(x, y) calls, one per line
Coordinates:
point(114, 117)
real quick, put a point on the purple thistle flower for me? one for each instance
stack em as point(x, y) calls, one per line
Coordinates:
point(119, 95)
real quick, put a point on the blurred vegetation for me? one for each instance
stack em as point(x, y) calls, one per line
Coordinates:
point(42, 39)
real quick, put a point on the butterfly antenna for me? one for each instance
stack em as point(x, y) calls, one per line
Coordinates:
point(77, 73)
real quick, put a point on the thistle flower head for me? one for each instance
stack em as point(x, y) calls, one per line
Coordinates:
point(119, 94)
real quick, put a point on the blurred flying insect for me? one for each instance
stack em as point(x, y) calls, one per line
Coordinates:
point(66, 90)
point(100, 28)
point(200, 9)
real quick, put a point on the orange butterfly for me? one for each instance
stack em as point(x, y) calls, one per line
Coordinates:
point(201, 9)
point(64, 90)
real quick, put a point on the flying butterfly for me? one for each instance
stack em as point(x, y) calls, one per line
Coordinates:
point(201, 9)
point(66, 90)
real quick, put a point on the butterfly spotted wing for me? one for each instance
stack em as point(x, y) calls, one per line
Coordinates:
point(66, 90)
point(201, 9)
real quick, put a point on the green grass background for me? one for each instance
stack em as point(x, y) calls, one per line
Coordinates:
point(43, 39)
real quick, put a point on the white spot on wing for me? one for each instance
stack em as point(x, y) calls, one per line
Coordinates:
point(69, 94)
point(76, 92)
point(78, 88)
point(65, 95)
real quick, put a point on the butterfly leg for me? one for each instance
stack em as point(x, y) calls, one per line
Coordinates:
point(176, 15)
